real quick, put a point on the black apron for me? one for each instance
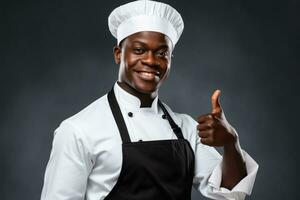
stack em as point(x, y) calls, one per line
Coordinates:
point(152, 170)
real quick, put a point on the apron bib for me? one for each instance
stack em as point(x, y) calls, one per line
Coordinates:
point(152, 170)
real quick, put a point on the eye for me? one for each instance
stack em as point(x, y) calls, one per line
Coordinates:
point(162, 53)
point(139, 50)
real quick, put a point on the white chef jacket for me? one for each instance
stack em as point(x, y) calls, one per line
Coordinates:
point(86, 156)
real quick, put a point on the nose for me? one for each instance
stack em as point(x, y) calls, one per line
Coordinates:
point(150, 59)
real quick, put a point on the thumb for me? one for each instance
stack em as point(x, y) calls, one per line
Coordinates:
point(216, 107)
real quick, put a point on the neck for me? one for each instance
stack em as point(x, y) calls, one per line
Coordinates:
point(146, 99)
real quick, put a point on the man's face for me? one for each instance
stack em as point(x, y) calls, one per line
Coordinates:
point(145, 60)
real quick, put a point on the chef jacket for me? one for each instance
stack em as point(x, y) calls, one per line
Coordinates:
point(86, 156)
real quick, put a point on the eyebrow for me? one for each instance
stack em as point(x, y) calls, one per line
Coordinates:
point(162, 46)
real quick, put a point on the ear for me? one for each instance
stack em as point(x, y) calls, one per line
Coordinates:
point(117, 54)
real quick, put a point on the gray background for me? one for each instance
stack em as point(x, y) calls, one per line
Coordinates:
point(56, 58)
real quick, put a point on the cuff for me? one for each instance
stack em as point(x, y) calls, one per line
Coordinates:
point(244, 186)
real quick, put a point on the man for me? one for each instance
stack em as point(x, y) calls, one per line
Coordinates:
point(129, 145)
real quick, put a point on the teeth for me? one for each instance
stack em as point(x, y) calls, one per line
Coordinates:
point(148, 74)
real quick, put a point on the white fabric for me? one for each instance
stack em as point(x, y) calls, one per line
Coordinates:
point(86, 156)
point(145, 15)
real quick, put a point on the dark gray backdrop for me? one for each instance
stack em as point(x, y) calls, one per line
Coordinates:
point(56, 58)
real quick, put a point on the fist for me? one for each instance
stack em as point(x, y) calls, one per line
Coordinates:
point(213, 128)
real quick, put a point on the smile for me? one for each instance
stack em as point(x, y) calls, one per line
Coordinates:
point(148, 75)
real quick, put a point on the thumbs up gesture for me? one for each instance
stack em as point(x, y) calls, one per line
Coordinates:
point(214, 130)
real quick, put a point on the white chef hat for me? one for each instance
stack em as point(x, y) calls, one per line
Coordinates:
point(145, 15)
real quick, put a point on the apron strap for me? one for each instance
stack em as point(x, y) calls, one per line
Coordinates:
point(174, 126)
point(114, 106)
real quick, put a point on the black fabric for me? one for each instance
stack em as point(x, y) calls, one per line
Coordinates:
point(153, 170)
point(114, 106)
point(174, 126)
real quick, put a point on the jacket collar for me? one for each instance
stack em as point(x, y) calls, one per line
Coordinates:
point(131, 102)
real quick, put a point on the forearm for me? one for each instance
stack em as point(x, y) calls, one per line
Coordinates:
point(233, 166)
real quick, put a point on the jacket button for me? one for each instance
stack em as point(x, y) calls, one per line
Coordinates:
point(130, 114)
point(164, 116)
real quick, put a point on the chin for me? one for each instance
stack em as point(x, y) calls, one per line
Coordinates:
point(146, 89)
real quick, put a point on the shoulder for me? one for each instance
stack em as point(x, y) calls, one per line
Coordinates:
point(96, 108)
point(93, 113)
point(88, 122)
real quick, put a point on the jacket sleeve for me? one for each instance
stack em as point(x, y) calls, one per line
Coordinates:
point(208, 171)
point(68, 167)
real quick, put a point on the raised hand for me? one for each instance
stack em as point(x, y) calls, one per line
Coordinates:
point(214, 130)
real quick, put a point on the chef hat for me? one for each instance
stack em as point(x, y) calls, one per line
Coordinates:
point(145, 15)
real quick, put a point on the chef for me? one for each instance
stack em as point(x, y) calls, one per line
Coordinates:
point(129, 145)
